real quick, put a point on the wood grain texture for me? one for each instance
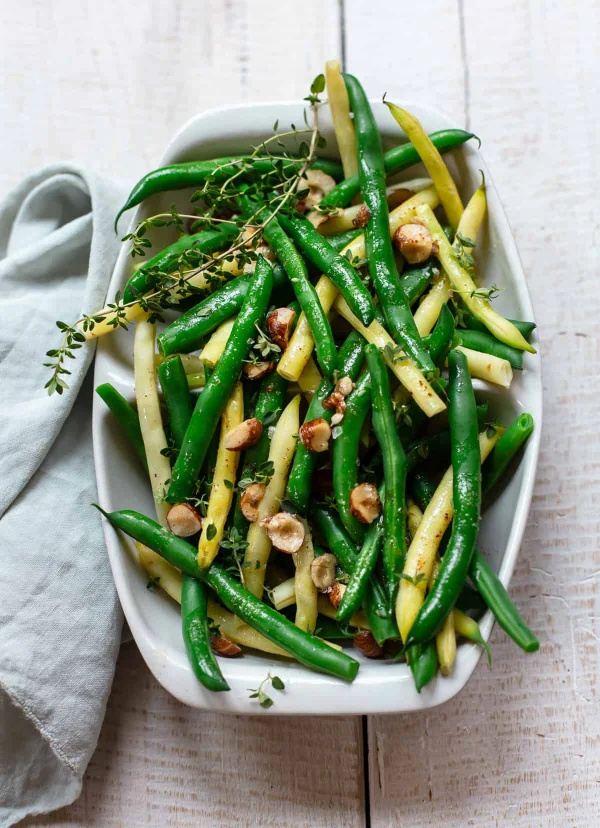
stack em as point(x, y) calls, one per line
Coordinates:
point(105, 84)
point(162, 764)
point(521, 745)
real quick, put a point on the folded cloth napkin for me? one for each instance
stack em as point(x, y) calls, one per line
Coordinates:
point(60, 619)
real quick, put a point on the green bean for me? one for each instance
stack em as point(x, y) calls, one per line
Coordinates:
point(305, 461)
point(212, 400)
point(487, 582)
point(515, 436)
point(505, 612)
point(488, 344)
point(196, 634)
point(416, 279)
point(423, 663)
point(329, 628)
point(439, 341)
point(307, 649)
point(376, 605)
point(341, 240)
point(437, 446)
point(379, 252)
point(394, 470)
point(353, 597)
point(305, 293)
point(345, 455)
point(127, 418)
point(173, 381)
point(195, 173)
point(194, 620)
point(335, 537)
point(397, 159)
point(186, 333)
point(466, 494)
point(270, 404)
point(469, 321)
point(205, 242)
point(338, 269)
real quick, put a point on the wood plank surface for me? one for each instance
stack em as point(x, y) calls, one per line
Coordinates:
point(106, 84)
point(521, 745)
point(162, 764)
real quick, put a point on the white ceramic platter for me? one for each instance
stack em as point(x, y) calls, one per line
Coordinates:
point(154, 620)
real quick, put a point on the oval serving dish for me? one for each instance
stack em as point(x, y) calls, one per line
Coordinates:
point(153, 618)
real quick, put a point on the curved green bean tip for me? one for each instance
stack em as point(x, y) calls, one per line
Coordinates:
point(479, 639)
point(526, 422)
point(533, 647)
point(100, 509)
point(119, 214)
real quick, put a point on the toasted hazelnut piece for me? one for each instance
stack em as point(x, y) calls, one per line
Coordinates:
point(365, 503)
point(258, 370)
point(365, 642)
point(361, 219)
point(244, 435)
point(318, 184)
point(224, 647)
point(335, 593)
point(317, 218)
point(397, 196)
point(315, 434)
point(250, 500)
point(414, 242)
point(279, 326)
point(336, 402)
point(322, 571)
point(333, 401)
point(322, 482)
point(183, 520)
point(345, 386)
point(285, 531)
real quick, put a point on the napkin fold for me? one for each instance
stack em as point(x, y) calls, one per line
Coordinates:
point(60, 619)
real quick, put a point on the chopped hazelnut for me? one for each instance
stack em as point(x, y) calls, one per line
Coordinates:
point(258, 370)
point(224, 647)
point(365, 504)
point(183, 520)
point(318, 184)
point(250, 501)
point(244, 435)
point(345, 386)
point(285, 531)
point(414, 242)
point(315, 434)
point(365, 642)
point(361, 219)
point(279, 326)
point(335, 593)
point(322, 571)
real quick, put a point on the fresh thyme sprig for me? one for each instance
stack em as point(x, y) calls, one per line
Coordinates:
point(258, 692)
point(278, 187)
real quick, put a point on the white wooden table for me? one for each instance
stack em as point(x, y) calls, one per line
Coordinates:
point(105, 83)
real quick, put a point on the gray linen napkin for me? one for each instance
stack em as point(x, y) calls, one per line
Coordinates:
point(60, 619)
